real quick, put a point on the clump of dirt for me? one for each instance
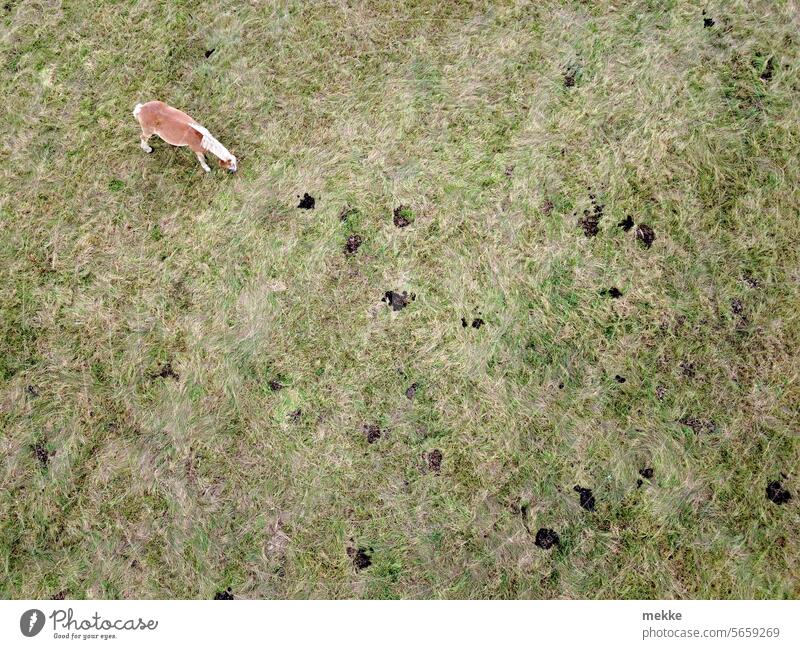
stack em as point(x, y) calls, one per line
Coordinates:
point(769, 68)
point(626, 224)
point(275, 385)
point(777, 493)
point(295, 416)
point(612, 292)
point(398, 300)
point(42, 454)
point(411, 391)
point(166, 372)
point(354, 242)
point(751, 281)
point(590, 221)
point(639, 483)
point(224, 594)
point(645, 235)
point(546, 538)
point(477, 323)
point(361, 557)
point(32, 390)
point(619, 379)
point(307, 202)
point(59, 595)
point(464, 323)
point(647, 473)
point(586, 497)
point(737, 306)
point(569, 76)
point(403, 216)
point(509, 171)
point(707, 22)
point(372, 433)
point(547, 207)
point(434, 460)
point(210, 52)
point(699, 425)
point(687, 369)
point(661, 391)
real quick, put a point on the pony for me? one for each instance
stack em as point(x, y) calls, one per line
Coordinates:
point(177, 128)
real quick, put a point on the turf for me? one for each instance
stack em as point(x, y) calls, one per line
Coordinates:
point(204, 387)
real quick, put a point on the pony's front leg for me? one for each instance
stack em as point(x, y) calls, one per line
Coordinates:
point(143, 143)
point(202, 161)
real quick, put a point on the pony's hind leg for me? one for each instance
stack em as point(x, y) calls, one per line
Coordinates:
point(202, 161)
point(143, 138)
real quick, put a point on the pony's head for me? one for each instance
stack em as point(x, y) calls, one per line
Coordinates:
point(229, 164)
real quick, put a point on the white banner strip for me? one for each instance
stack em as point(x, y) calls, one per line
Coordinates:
point(407, 624)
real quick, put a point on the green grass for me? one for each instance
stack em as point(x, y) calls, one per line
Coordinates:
point(148, 308)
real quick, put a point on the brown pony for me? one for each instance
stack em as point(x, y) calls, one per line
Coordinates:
point(177, 128)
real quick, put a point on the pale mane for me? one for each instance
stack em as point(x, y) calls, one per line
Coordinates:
point(212, 144)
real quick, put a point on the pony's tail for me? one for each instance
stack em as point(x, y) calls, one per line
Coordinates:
point(136, 110)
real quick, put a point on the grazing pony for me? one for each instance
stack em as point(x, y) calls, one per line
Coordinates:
point(177, 128)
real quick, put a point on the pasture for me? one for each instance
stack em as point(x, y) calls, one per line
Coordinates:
point(501, 303)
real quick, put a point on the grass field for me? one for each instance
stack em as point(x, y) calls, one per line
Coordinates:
point(204, 387)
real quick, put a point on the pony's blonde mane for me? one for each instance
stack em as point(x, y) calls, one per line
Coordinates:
point(212, 144)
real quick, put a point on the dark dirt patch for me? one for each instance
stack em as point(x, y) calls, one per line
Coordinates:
point(699, 425)
point(32, 390)
point(546, 538)
point(210, 52)
point(464, 323)
point(639, 483)
point(626, 224)
point(612, 292)
point(769, 68)
point(619, 379)
point(569, 76)
point(586, 497)
point(590, 221)
point(434, 460)
point(477, 323)
point(307, 202)
point(751, 281)
point(295, 416)
point(224, 594)
point(645, 235)
point(372, 433)
point(275, 385)
point(688, 369)
point(707, 22)
point(661, 392)
point(509, 171)
point(737, 306)
point(398, 300)
point(166, 372)
point(354, 242)
point(42, 454)
point(59, 595)
point(647, 473)
point(403, 216)
point(361, 557)
point(411, 391)
point(560, 386)
point(547, 207)
point(777, 493)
